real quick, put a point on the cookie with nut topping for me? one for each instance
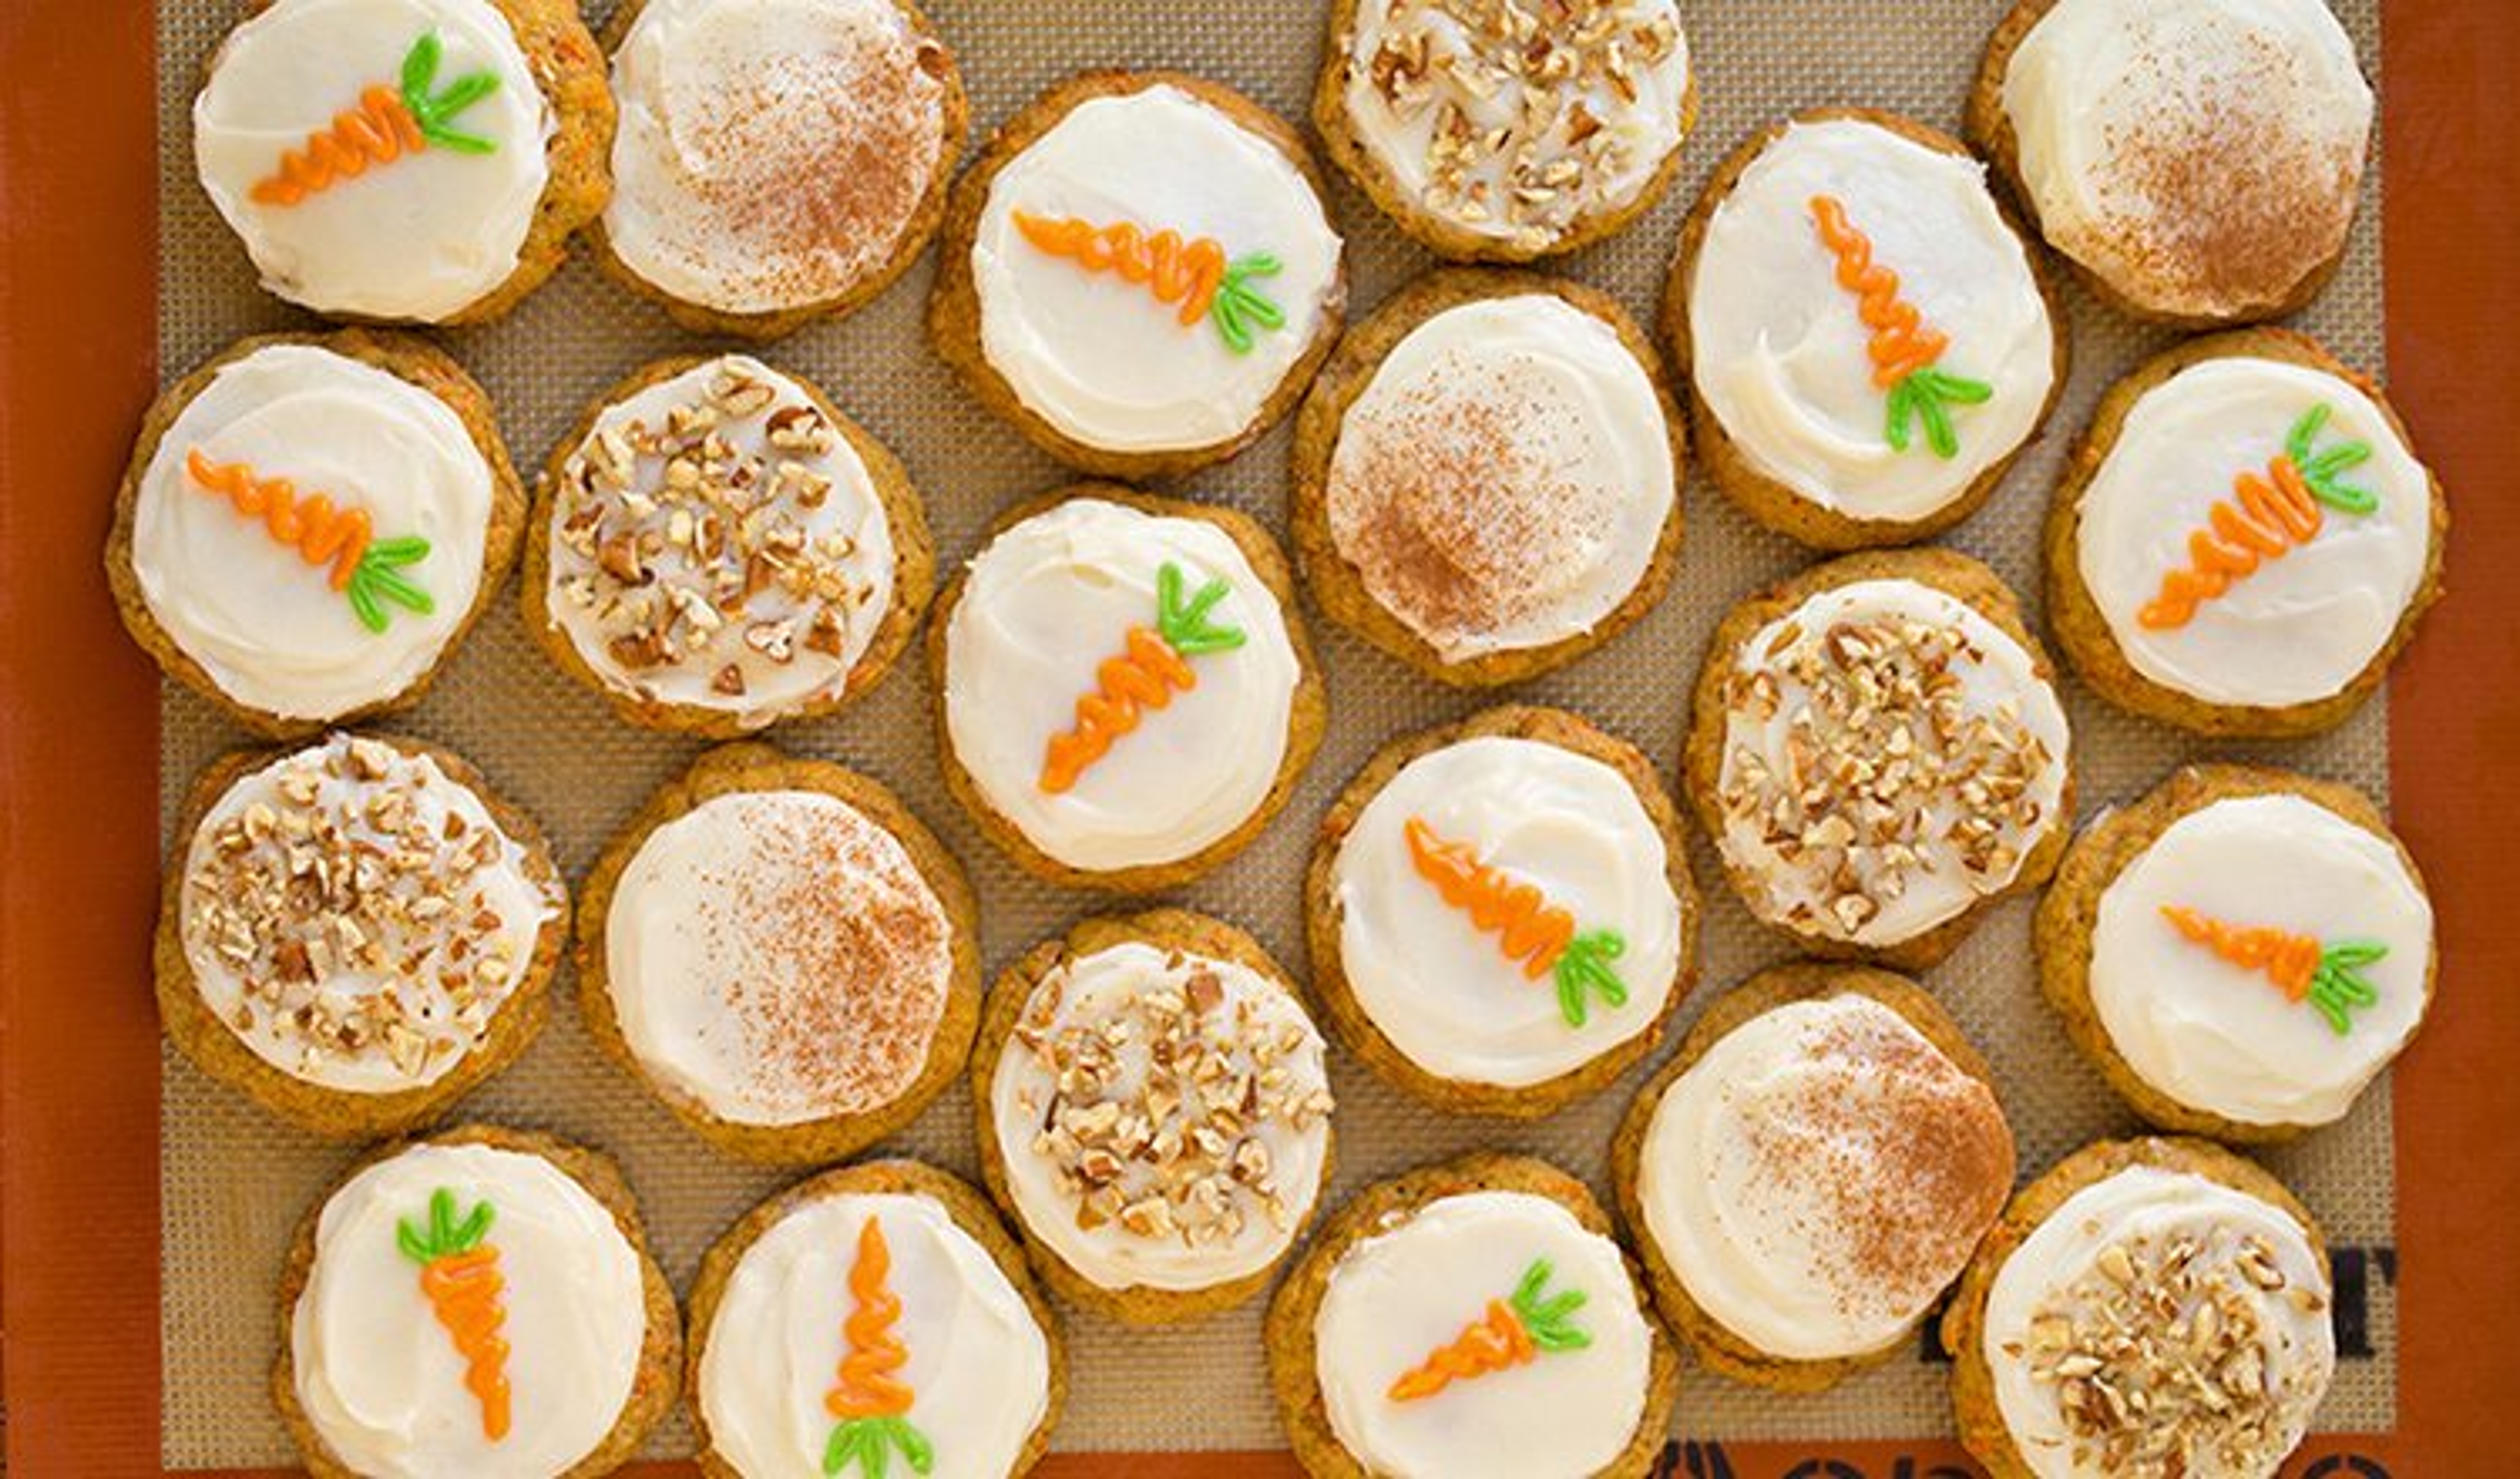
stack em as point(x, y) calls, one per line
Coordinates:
point(355, 934)
point(718, 548)
point(1880, 755)
point(1507, 130)
point(1153, 1112)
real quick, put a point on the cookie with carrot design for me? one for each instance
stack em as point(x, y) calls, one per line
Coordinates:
point(309, 524)
point(1870, 340)
point(1125, 692)
point(1154, 1112)
point(405, 161)
point(1499, 911)
point(1138, 273)
point(2240, 953)
point(1475, 1320)
point(2245, 539)
point(356, 933)
point(874, 1321)
point(479, 1301)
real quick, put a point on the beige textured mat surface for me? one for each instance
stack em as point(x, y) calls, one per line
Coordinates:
point(235, 1183)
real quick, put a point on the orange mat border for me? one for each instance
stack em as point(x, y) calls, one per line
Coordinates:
point(78, 753)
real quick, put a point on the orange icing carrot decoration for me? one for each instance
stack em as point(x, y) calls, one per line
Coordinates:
point(2263, 519)
point(2329, 977)
point(1195, 274)
point(388, 123)
point(1144, 676)
point(459, 1272)
point(1513, 1332)
point(366, 569)
point(1904, 351)
point(1529, 928)
point(866, 1397)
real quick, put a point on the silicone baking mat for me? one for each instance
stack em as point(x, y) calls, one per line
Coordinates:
point(234, 1183)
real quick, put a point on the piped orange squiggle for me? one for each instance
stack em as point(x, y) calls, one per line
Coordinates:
point(1901, 342)
point(2289, 960)
point(866, 1386)
point(466, 1292)
point(1175, 271)
point(1496, 1343)
point(1143, 678)
point(1529, 929)
point(379, 131)
point(320, 533)
point(2265, 518)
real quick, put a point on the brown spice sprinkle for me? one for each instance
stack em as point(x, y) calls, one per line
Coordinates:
point(1888, 774)
point(2158, 1355)
point(1906, 1158)
point(1158, 1108)
point(1456, 509)
point(355, 915)
point(1518, 90)
point(700, 544)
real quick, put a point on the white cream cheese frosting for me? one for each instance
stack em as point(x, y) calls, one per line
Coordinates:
point(978, 1364)
point(1102, 360)
point(1781, 354)
point(268, 626)
point(1517, 122)
point(380, 1379)
point(2200, 156)
point(1833, 700)
point(1443, 990)
point(2228, 1040)
point(1820, 1176)
point(2096, 1266)
point(775, 958)
point(1411, 1288)
point(1502, 481)
point(1046, 604)
point(2305, 624)
point(717, 543)
point(358, 917)
point(1184, 1155)
point(771, 153)
point(421, 237)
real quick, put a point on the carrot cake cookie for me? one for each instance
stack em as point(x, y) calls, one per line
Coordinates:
point(1879, 753)
point(784, 954)
point(1868, 335)
point(308, 526)
point(1154, 1112)
point(405, 161)
point(1139, 272)
point(718, 548)
point(2241, 952)
point(777, 160)
point(1487, 476)
point(1504, 131)
point(2245, 540)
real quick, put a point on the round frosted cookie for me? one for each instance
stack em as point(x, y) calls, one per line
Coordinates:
point(2243, 540)
point(2241, 952)
point(1879, 753)
point(1475, 1320)
point(478, 1302)
point(355, 934)
point(1153, 1112)
point(1506, 131)
point(2147, 1306)
point(2197, 161)
point(309, 524)
point(1870, 340)
point(875, 1315)
point(405, 161)
point(718, 548)
point(1499, 911)
point(1811, 1171)
point(1125, 694)
point(782, 954)
point(1138, 273)
point(1487, 477)
point(777, 160)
